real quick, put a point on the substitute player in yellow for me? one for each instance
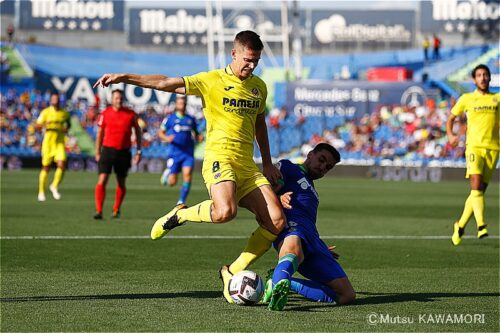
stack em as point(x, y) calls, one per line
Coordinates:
point(56, 122)
point(482, 146)
point(233, 101)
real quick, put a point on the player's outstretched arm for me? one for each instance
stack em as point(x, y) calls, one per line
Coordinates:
point(153, 81)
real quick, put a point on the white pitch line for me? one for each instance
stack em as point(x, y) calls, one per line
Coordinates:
point(104, 237)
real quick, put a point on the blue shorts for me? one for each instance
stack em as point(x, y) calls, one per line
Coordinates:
point(176, 162)
point(319, 265)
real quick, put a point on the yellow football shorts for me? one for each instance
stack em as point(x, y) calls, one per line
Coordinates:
point(53, 151)
point(246, 176)
point(481, 161)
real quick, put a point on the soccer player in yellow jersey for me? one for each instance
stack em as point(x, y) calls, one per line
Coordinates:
point(482, 146)
point(56, 122)
point(233, 101)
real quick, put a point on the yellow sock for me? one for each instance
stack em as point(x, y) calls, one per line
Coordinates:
point(257, 245)
point(58, 176)
point(42, 181)
point(467, 213)
point(478, 206)
point(196, 213)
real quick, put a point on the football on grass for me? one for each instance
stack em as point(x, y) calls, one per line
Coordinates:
point(246, 288)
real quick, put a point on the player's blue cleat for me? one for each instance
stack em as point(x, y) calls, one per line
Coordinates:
point(279, 295)
point(166, 223)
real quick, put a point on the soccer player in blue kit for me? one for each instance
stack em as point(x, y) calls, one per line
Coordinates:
point(299, 245)
point(177, 130)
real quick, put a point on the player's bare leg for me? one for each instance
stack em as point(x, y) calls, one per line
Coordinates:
point(343, 289)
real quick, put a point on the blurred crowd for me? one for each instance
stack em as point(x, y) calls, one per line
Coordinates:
point(389, 132)
point(18, 113)
point(397, 132)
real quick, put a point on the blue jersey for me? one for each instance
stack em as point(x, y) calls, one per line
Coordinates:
point(305, 199)
point(182, 128)
point(319, 264)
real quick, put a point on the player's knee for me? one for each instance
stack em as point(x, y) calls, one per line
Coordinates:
point(172, 181)
point(278, 224)
point(274, 226)
point(347, 297)
point(224, 214)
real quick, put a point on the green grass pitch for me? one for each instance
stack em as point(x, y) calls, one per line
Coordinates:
point(63, 271)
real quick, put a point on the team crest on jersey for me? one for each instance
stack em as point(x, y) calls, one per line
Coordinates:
point(255, 92)
point(304, 185)
point(215, 167)
point(495, 100)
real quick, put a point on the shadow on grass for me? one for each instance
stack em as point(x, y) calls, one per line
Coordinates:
point(370, 298)
point(295, 303)
point(187, 294)
point(381, 298)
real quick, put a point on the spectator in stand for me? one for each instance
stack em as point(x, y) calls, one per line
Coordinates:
point(10, 34)
point(436, 43)
point(273, 118)
point(279, 117)
point(425, 45)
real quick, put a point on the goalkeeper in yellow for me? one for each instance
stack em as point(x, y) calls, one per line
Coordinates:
point(56, 122)
point(233, 102)
point(482, 146)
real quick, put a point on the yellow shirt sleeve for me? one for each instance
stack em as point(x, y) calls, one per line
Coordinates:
point(459, 107)
point(42, 118)
point(198, 84)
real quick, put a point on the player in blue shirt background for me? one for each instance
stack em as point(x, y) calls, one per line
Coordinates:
point(299, 245)
point(177, 129)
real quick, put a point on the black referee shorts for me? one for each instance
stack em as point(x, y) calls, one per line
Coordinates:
point(114, 159)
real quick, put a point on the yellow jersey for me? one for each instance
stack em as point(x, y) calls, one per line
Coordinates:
point(482, 118)
point(230, 107)
point(55, 123)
